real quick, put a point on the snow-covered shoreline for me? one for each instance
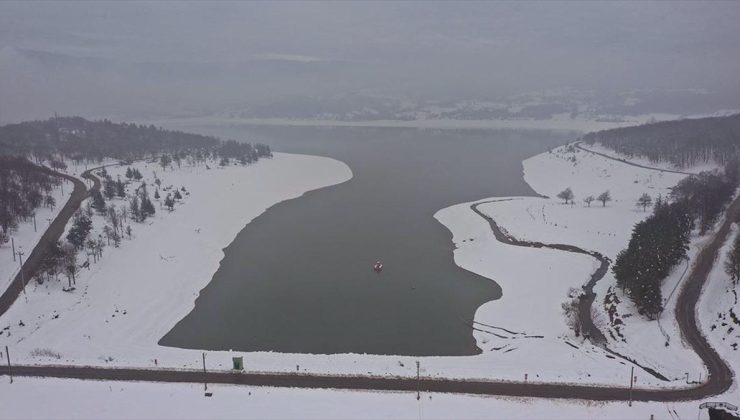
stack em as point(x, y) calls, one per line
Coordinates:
point(151, 282)
point(112, 326)
point(543, 277)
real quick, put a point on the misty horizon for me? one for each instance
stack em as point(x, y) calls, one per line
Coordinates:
point(141, 60)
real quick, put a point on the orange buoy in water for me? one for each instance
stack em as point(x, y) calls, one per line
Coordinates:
point(378, 267)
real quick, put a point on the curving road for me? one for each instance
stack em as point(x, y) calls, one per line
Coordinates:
point(626, 162)
point(53, 232)
point(719, 380)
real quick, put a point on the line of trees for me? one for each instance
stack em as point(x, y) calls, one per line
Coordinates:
point(732, 264)
point(23, 189)
point(661, 241)
point(567, 196)
point(57, 140)
point(707, 194)
point(683, 142)
point(657, 244)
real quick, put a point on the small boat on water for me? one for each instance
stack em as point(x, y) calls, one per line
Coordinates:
point(378, 267)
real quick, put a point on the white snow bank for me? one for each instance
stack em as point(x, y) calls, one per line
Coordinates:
point(113, 400)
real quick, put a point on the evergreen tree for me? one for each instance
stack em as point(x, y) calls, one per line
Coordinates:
point(169, 202)
point(732, 264)
point(81, 227)
point(109, 188)
point(134, 208)
point(120, 189)
point(98, 203)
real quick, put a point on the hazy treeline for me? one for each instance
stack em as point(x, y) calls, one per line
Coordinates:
point(24, 185)
point(79, 139)
point(682, 142)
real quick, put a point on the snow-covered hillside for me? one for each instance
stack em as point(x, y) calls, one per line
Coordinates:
point(543, 278)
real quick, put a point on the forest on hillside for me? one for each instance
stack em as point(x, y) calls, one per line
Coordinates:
point(684, 143)
point(28, 148)
point(661, 241)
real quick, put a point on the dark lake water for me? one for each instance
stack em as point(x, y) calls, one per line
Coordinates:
point(299, 277)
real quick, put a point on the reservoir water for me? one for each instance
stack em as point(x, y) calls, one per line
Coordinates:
point(299, 278)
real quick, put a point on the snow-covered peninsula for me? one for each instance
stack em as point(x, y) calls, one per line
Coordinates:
point(127, 301)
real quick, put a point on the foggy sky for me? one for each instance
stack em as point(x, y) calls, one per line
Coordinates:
point(120, 58)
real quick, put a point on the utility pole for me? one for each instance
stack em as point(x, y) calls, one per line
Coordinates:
point(23, 276)
point(418, 382)
point(205, 380)
point(12, 243)
point(10, 373)
point(632, 377)
point(34, 222)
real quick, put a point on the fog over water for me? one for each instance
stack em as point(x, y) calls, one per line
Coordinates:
point(139, 60)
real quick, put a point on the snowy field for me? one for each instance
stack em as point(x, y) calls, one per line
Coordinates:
point(115, 400)
point(543, 277)
point(106, 322)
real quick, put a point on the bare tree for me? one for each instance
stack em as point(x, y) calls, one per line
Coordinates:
point(604, 198)
point(644, 201)
point(70, 261)
point(567, 195)
point(588, 200)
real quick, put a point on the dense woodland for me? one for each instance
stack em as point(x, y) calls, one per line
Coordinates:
point(683, 142)
point(58, 142)
point(23, 189)
point(661, 241)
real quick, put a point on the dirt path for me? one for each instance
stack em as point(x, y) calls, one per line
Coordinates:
point(626, 162)
point(588, 328)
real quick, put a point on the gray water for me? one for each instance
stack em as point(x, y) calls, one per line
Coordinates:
point(299, 277)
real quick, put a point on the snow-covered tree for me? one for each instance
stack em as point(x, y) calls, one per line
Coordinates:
point(169, 202)
point(732, 264)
